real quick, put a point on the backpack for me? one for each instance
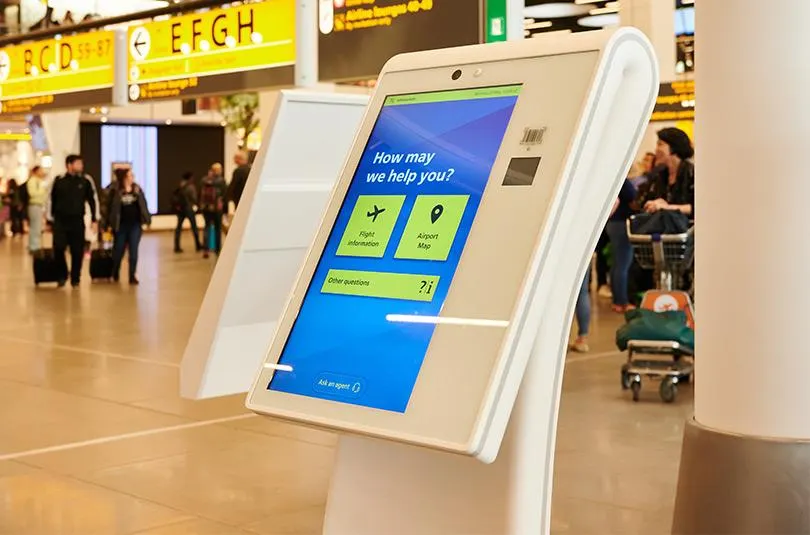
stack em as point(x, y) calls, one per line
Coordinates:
point(210, 200)
point(178, 200)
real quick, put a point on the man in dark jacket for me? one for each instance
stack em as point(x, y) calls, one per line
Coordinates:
point(184, 204)
point(240, 177)
point(70, 195)
point(213, 205)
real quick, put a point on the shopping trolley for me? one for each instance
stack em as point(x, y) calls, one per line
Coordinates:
point(670, 256)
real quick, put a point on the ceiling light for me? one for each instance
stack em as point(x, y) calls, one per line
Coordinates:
point(599, 21)
point(554, 10)
point(538, 25)
point(168, 122)
point(688, 2)
point(528, 21)
point(556, 32)
point(526, 33)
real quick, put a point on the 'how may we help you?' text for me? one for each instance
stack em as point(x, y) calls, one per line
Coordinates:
point(407, 176)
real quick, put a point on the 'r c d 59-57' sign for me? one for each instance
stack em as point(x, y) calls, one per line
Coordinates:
point(68, 72)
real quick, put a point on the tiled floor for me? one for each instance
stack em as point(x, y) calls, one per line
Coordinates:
point(95, 440)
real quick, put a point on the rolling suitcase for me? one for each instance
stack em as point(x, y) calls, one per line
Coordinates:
point(46, 268)
point(101, 264)
point(101, 260)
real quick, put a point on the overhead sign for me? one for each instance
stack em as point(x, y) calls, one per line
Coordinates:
point(675, 102)
point(223, 50)
point(358, 37)
point(495, 20)
point(70, 72)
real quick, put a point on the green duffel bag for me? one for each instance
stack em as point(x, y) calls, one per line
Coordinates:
point(644, 324)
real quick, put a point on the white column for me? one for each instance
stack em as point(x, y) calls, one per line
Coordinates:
point(656, 18)
point(753, 249)
point(306, 43)
point(514, 19)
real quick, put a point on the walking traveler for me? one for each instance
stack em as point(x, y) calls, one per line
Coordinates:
point(621, 248)
point(184, 204)
point(240, 177)
point(213, 205)
point(128, 213)
point(70, 195)
point(36, 194)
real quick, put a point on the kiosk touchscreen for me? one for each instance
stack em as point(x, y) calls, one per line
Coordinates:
point(415, 313)
point(392, 254)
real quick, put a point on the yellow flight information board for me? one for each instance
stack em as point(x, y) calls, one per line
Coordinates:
point(219, 51)
point(675, 102)
point(70, 72)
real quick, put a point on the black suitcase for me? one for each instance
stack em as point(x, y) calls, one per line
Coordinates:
point(101, 264)
point(46, 268)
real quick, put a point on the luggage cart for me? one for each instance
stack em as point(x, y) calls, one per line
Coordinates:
point(670, 256)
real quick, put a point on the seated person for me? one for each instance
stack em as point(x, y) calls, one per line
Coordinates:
point(672, 185)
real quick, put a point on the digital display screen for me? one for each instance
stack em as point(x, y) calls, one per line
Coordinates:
point(357, 38)
point(39, 140)
point(364, 326)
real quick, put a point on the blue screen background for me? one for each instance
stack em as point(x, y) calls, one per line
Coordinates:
point(348, 338)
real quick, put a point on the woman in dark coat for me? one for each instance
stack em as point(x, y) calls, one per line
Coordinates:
point(127, 215)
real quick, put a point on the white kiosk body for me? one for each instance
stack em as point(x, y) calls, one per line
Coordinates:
point(281, 208)
point(447, 265)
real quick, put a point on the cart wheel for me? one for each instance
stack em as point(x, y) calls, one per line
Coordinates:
point(636, 387)
point(668, 390)
point(626, 378)
point(685, 379)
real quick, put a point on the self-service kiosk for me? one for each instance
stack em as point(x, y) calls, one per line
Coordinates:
point(437, 294)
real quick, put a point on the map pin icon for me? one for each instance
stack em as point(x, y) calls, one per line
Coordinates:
point(437, 212)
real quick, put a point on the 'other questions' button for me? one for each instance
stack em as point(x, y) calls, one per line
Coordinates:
point(339, 385)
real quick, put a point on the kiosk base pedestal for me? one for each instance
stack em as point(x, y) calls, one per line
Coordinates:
point(388, 488)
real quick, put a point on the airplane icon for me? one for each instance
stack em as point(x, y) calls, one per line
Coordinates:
point(375, 214)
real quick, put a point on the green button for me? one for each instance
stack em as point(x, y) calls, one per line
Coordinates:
point(377, 284)
point(370, 225)
point(432, 227)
